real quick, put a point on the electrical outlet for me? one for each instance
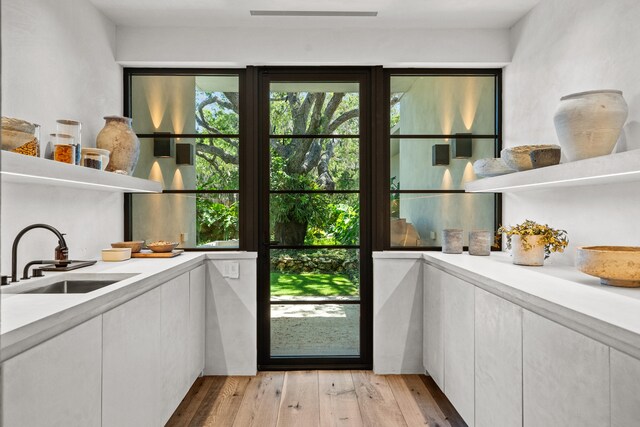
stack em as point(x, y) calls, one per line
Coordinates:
point(231, 269)
point(432, 235)
point(183, 237)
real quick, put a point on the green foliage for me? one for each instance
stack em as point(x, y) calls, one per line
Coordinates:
point(395, 198)
point(216, 220)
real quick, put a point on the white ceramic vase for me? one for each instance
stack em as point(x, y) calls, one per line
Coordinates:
point(588, 124)
point(534, 256)
point(118, 137)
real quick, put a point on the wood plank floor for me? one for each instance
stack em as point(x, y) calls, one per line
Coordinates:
point(316, 398)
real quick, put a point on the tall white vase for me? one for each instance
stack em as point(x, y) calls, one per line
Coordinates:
point(588, 124)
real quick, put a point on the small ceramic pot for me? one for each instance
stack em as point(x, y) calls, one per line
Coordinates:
point(452, 241)
point(480, 242)
point(534, 256)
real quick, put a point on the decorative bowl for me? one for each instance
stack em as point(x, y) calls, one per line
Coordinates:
point(544, 157)
point(491, 167)
point(116, 254)
point(162, 246)
point(136, 245)
point(519, 158)
point(614, 265)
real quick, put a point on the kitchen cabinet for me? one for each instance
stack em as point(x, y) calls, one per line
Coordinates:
point(57, 382)
point(174, 354)
point(565, 376)
point(433, 340)
point(625, 390)
point(131, 363)
point(498, 361)
point(196, 322)
point(458, 327)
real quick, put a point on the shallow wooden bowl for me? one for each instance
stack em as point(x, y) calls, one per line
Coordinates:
point(162, 248)
point(614, 265)
point(519, 157)
point(135, 245)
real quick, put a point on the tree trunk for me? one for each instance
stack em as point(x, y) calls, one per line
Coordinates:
point(291, 232)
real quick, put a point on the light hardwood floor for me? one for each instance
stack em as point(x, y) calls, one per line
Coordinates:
point(316, 398)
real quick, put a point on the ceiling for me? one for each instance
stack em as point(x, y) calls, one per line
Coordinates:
point(392, 14)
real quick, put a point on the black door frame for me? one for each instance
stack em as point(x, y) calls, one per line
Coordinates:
point(362, 75)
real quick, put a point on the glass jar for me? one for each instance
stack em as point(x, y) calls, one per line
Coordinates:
point(74, 129)
point(92, 160)
point(64, 149)
point(20, 136)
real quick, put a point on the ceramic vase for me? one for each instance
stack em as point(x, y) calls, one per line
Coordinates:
point(118, 137)
point(533, 256)
point(480, 242)
point(588, 124)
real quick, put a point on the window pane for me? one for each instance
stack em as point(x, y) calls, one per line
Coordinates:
point(311, 273)
point(418, 219)
point(205, 220)
point(313, 108)
point(185, 104)
point(315, 164)
point(314, 219)
point(215, 165)
point(411, 163)
point(442, 105)
point(315, 330)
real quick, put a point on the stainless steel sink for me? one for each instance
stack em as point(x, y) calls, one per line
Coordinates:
point(72, 287)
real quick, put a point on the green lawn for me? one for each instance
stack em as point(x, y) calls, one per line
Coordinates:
point(311, 284)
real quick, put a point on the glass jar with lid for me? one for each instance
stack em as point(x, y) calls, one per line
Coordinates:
point(64, 149)
point(72, 128)
point(92, 160)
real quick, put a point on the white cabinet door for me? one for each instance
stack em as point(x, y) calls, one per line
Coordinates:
point(433, 340)
point(57, 382)
point(498, 361)
point(566, 376)
point(174, 322)
point(132, 380)
point(625, 390)
point(196, 321)
point(459, 345)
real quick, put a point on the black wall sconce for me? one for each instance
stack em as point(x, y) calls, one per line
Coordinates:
point(462, 146)
point(163, 145)
point(440, 155)
point(184, 154)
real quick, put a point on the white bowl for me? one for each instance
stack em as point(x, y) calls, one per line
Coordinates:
point(116, 254)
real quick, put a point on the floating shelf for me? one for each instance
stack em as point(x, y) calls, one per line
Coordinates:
point(23, 169)
point(614, 168)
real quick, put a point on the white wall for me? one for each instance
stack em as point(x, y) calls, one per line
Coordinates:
point(562, 47)
point(233, 47)
point(58, 62)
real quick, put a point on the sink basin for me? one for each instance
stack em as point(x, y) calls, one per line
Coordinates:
point(614, 265)
point(72, 287)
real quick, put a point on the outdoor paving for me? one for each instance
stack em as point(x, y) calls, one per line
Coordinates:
point(308, 329)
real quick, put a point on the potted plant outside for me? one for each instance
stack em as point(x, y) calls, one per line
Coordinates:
point(531, 243)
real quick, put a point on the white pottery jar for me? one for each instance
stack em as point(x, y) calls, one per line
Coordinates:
point(534, 256)
point(118, 137)
point(588, 124)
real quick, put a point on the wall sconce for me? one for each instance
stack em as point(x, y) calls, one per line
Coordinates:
point(184, 154)
point(163, 145)
point(462, 146)
point(440, 155)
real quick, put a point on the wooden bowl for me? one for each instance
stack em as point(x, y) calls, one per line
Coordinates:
point(136, 245)
point(543, 157)
point(162, 248)
point(614, 265)
point(519, 157)
point(491, 167)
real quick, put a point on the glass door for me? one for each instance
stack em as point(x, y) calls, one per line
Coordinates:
point(314, 260)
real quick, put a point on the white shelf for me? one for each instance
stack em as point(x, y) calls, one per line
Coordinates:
point(23, 169)
point(614, 168)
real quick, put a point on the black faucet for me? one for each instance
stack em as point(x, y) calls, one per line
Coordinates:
point(61, 254)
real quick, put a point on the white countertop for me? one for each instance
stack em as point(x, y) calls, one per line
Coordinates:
point(29, 319)
point(561, 293)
